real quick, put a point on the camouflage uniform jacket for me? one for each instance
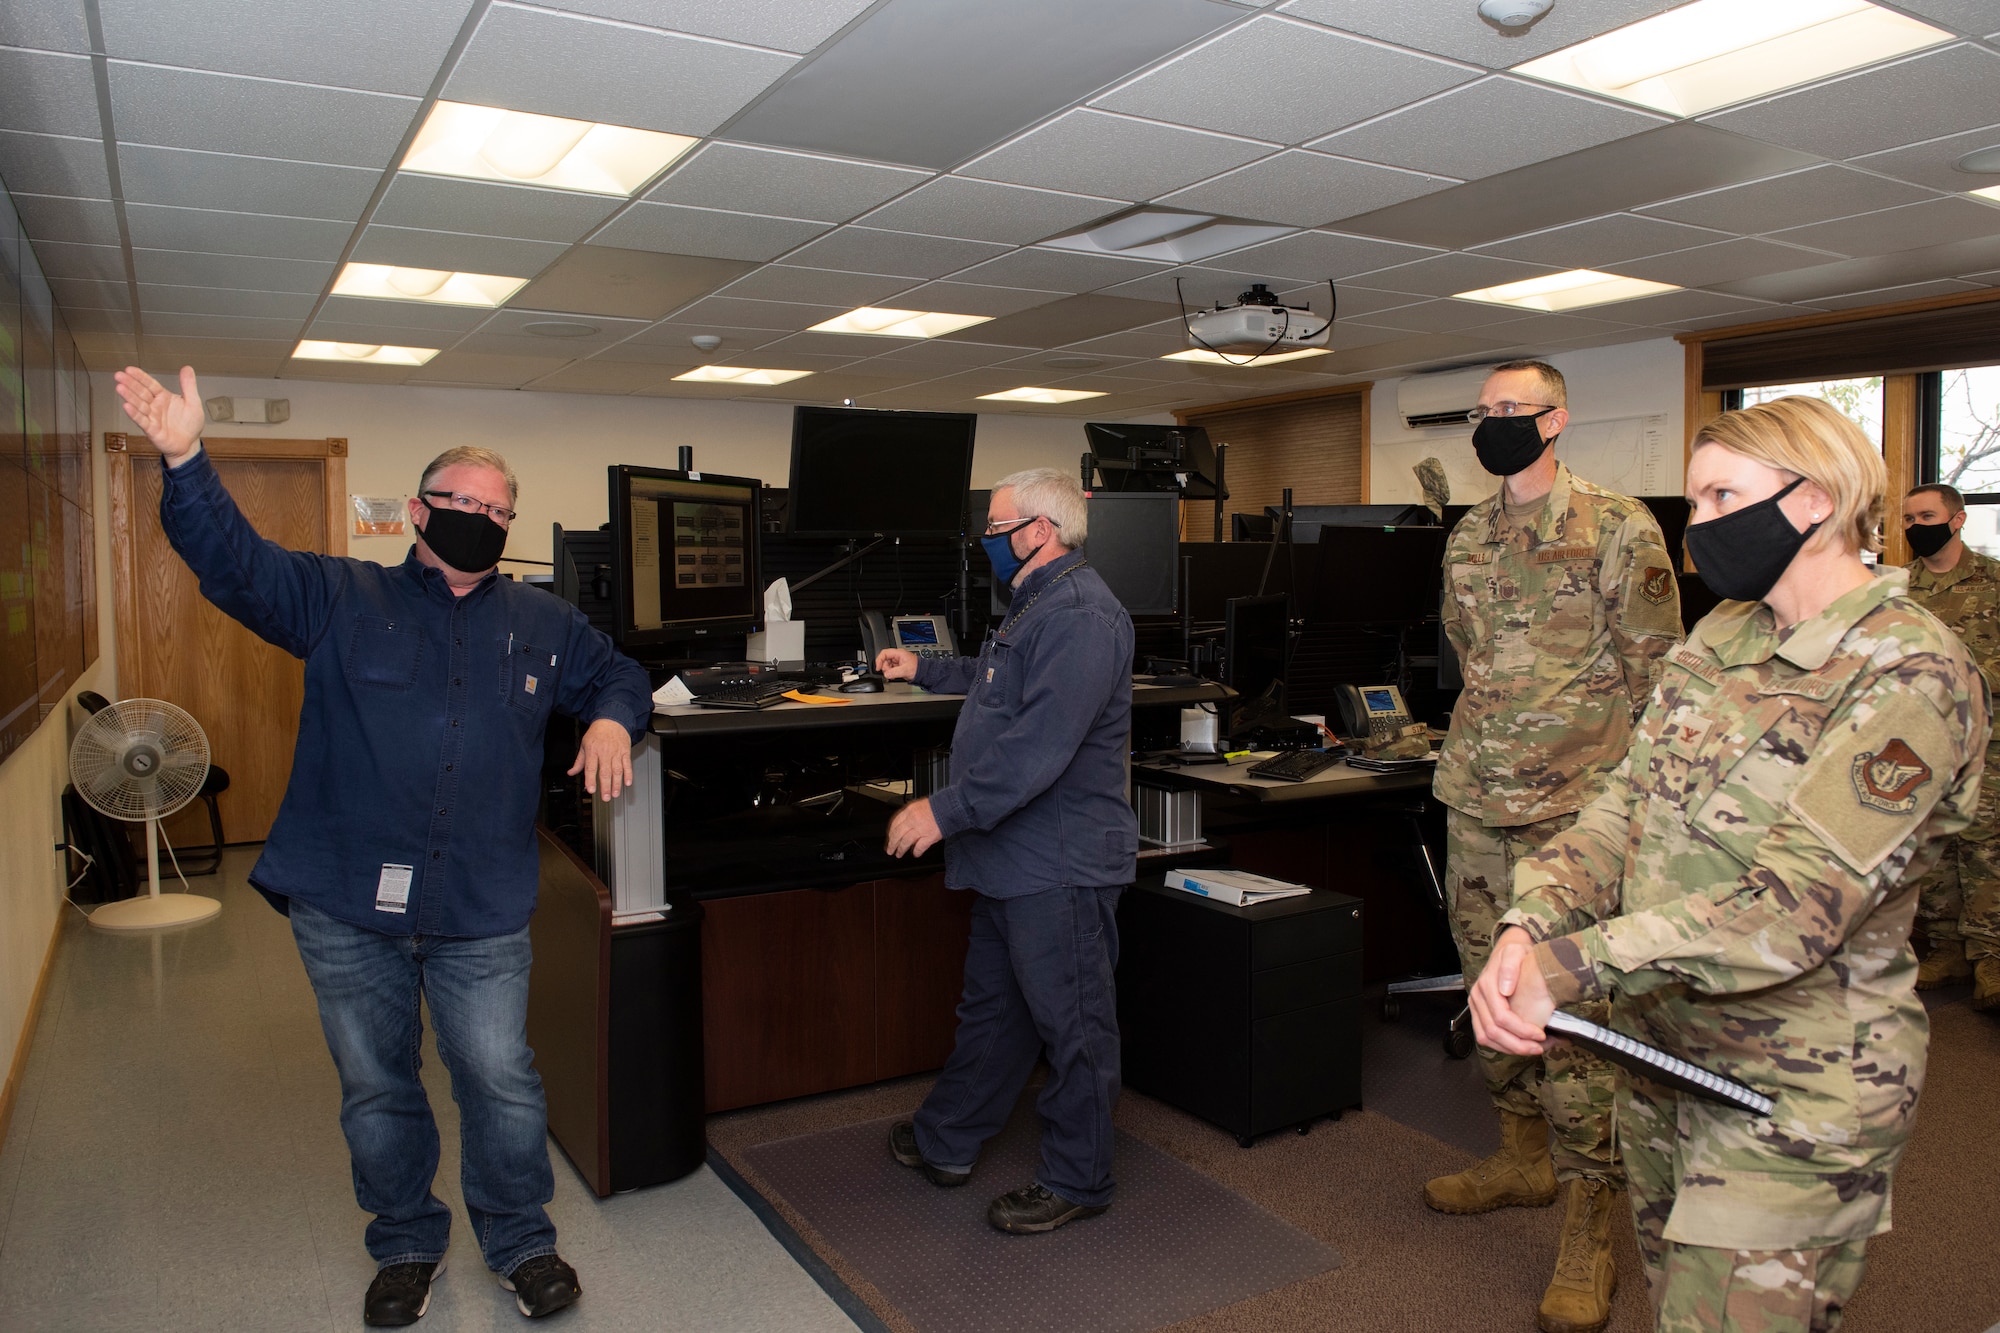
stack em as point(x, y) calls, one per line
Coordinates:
point(1966, 598)
point(1750, 872)
point(1559, 625)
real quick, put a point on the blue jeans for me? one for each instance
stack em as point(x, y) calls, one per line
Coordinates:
point(369, 987)
point(1038, 978)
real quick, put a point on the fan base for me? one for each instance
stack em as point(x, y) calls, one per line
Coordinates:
point(151, 913)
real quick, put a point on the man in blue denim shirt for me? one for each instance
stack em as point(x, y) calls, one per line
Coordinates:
point(404, 851)
point(1036, 822)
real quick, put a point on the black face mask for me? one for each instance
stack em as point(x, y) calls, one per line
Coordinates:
point(469, 543)
point(1927, 539)
point(1741, 556)
point(1507, 445)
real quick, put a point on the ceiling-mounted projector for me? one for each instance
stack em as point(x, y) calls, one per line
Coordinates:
point(1258, 322)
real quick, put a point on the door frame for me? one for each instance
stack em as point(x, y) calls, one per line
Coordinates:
point(122, 450)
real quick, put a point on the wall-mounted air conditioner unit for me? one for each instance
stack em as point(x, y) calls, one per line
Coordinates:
point(1440, 399)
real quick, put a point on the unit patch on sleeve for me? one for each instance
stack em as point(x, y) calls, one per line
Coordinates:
point(1888, 779)
point(1656, 585)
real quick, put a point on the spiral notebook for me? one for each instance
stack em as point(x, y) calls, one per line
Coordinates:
point(1657, 1065)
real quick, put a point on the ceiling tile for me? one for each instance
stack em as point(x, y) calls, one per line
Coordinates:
point(1723, 262)
point(781, 282)
point(967, 298)
point(223, 301)
point(486, 370)
point(783, 25)
point(299, 368)
point(1935, 93)
point(673, 229)
point(176, 268)
point(216, 356)
point(667, 343)
point(184, 178)
point(1972, 17)
point(1058, 270)
point(411, 248)
point(1447, 275)
point(1933, 222)
point(1071, 319)
point(1440, 316)
point(105, 351)
point(591, 69)
point(932, 82)
point(1319, 254)
point(867, 250)
point(1930, 163)
point(1092, 152)
point(51, 164)
point(370, 331)
point(47, 94)
point(979, 210)
point(604, 280)
point(73, 294)
point(1673, 307)
point(99, 321)
point(1788, 201)
point(1549, 328)
point(728, 311)
point(45, 28)
point(1476, 130)
point(445, 321)
point(1308, 81)
point(388, 46)
point(1915, 291)
point(207, 232)
point(938, 356)
point(221, 113)
point(438, 203)
point(596, 376)
point(744, 178)
point(1855, 275)
point(851, 346)
point(1305, 189)
point(522, 325)
point(1601, 241)
point(1456, 30)
point(159, 324)
point(89, 221)
point(1659, 164)
point(839, 386)
point(60, 259)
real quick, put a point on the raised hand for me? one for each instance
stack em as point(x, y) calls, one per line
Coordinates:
point(172, 421)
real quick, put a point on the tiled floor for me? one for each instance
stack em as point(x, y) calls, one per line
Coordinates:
point(175, 1162)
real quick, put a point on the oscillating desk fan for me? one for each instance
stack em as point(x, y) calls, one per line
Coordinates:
point(143, 759)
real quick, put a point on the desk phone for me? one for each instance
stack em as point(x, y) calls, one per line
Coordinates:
point(1372, 713)
point(926, 636)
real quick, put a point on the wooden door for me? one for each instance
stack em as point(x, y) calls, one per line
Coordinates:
point(174, 645)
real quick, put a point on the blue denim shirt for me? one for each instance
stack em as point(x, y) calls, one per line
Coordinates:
point(420, 739)
point(1037, 793)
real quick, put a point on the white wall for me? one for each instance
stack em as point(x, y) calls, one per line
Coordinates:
point(1605, 383)
point(559, 443)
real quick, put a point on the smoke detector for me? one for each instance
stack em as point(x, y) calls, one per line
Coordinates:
point(707, 342)
point(1513, 13)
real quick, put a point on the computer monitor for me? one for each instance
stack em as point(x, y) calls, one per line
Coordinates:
point(1135, 546)
point(1252, 528)
point(1255, 631)
point(860, 473)
point(1132, 457)
point(1307, 520)
point(1379, 576)
point(685, 557)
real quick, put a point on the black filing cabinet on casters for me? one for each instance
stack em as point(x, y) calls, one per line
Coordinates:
point(1248, 1017)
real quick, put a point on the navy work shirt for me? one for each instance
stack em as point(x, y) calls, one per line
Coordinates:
point(1037, 793)
point(411, 809)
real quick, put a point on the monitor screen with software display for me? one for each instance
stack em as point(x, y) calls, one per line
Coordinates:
point(684, 556)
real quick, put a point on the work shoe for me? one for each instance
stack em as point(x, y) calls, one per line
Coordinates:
point(1986, 984)
point(903, 1147)
point(542, 1285)
point(1037, 1208)
point(1944, 964)
point(399, 1294)
point(1579, 1296)
point(1520, 1175)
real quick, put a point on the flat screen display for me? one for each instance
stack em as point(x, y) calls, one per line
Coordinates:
point(1380, 701)
point(917, 633)
point(685, 550)
point(857, 473)
point(1379, 576)
point(1135, 546)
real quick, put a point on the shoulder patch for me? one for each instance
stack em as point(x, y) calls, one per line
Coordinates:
point(1888, 778)
point(1863, 794)
point(1656, 584)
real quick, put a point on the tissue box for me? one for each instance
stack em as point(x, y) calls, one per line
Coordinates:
point(780, 641)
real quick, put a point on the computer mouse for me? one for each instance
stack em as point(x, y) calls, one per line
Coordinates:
point(866, 683)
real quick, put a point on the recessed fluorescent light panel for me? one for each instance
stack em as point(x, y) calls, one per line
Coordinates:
point(384, 282)
point(740, 375)
point(1202, 357)
point(1568, 291)
point(371, 354)
point(1990, 192)
point(1715, 52)
point(1030, 395)
point(490, 144)
point(877, 323)
point(1170, 234)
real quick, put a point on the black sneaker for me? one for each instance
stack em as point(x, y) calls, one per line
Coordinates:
point(1037, 1208)
point(399, 1294)
point(903, 1147)
point(542, 1285)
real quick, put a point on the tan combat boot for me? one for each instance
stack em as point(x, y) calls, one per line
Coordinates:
point(1519, 1175)
point(1944, 964)
point(1986, 984)
point(1579, 1296)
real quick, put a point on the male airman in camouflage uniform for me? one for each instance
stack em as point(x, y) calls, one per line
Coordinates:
point(1750, 876)
point(1959, 902)
point(1560, 601)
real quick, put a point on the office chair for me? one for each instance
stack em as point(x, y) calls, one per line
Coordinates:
point(192, 860)
point(1458, 1038)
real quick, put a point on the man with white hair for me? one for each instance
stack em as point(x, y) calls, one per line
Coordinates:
point(1035, 822)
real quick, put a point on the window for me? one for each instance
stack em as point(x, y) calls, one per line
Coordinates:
point(1860, 399)
point(1960, 412)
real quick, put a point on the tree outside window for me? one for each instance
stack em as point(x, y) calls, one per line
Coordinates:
point(1968, 426)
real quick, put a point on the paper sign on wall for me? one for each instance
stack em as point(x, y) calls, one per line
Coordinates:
point(379, 515)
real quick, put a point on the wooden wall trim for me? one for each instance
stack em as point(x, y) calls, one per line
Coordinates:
point(10, 1092)
point(338, 517)
point(1839, 317)
point(1691, 405)
point(1899, 453)
point(134, 443)
point(124, 579)
point(1183, 415)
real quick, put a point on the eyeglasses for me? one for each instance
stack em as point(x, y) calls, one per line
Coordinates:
point(1482, 412)
point(1015, 524)
point(472, 504)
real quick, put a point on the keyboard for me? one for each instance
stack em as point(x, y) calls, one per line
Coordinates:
point(757, 694)
point(1297, 765)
